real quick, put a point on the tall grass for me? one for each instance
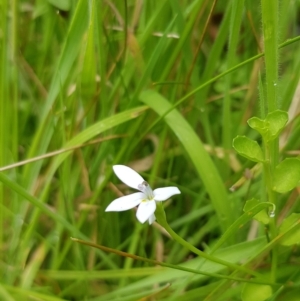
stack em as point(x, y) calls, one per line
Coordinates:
point(162, 87)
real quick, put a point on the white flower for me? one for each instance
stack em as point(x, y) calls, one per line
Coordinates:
point(146, 198)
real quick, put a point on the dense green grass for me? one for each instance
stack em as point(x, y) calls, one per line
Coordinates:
point(163, 87)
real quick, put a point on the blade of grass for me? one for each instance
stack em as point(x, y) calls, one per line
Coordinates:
point(269, 10)
point(197, 153)
point(25, 293)
point(200, 87)
point(82, 137)
point(234, 253)
point(270, 29)
point(237, 7)
point(46, 210)
point(5, 295)
point(68, 55)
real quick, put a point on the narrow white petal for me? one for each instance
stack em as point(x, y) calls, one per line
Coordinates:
point(145, 210)
point(125, 202)
point(162, 194)
point(151, 219)
point(128, 176)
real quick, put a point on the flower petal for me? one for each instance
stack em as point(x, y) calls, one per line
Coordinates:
point(162, 194)
point(126, 202)
point(151, 219)
point(145, 210)
point(128, 176)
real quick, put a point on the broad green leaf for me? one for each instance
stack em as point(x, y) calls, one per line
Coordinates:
point(293, 237)
point(256, 292)
point(248, 148)
point(276, 122)
point(286, 175)
point(261, 216)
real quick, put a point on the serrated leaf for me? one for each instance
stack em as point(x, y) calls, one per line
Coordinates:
point(293, 237)
point(256, 292)
point(286, 175)
point(248, 148)
point(261, 216)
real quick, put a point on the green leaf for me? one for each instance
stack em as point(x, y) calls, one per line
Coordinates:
point(261, 216)
point(256, 292)
point(88, 74)
point(67, 57)
point(248, 148)
point(293, 237)
point(258, 124)
point(271, 127)
point(61, 4)
point(235, 253)
point(195, 149)
point(276, 122)
point(286, 175)
point(239, 223)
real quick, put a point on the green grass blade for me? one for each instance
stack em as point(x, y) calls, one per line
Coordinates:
point(155, 262)
point(68, 55)
point(198, 155)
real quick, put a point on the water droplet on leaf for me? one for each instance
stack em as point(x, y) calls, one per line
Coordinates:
point(272, 213)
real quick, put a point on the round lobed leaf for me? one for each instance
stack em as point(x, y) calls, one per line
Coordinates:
point(270, 127)
point(276, 122)
point(248, 148)
point(286, 175)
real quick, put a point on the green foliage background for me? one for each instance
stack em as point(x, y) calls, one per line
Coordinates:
point(160, 86)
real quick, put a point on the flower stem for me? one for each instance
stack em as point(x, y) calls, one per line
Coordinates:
point(268, 167)
point(161, 218)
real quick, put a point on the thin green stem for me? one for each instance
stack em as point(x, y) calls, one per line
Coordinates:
point(168, 265)
point(161, 218)
point(270, 29)
point(267, 166)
